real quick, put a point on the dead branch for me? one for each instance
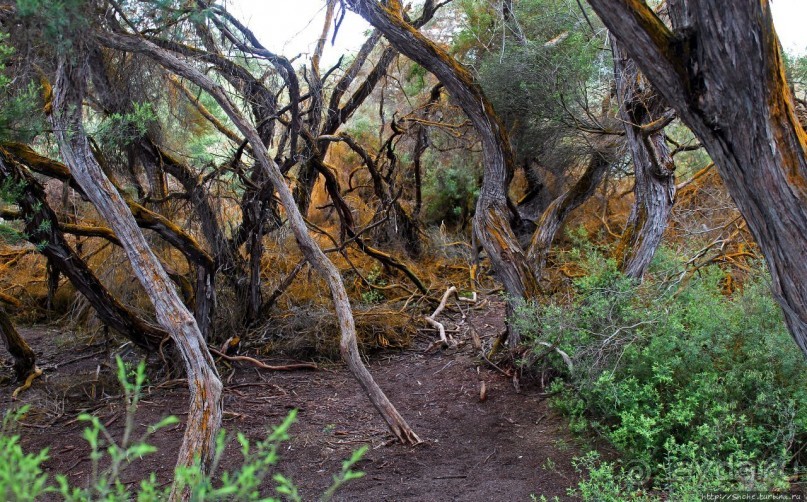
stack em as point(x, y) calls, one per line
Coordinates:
point(431, 319)
point(262, 365)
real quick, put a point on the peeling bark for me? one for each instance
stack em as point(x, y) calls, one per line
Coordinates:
point(204, 416)
point(654, 190)
point(722, 71)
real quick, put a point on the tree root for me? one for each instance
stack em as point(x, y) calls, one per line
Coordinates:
point(262, 365)
point(28, 381)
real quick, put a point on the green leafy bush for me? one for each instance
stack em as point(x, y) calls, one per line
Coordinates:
point(704, 390)
point(450, 192)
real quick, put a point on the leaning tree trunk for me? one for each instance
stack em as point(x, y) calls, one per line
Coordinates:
point(643, 113)
point(492, 220)
point(312, 252)
point(42, 229)
point(204, 417)
point(722, 71)
point(24, 357)
point(555, 214)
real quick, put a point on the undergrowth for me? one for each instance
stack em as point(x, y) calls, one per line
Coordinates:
point(697, 390)
point(22, 477)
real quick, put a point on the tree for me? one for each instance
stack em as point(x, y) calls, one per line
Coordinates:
point(309, 247)
point(645, 114)
point(204, 416)
point(492, 220)
point(719, 65)
point(518, 269)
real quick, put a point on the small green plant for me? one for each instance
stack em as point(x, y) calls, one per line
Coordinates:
point(373, 295)
point(22, 478)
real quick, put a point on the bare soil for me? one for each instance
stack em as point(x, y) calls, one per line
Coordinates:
point(509, 447)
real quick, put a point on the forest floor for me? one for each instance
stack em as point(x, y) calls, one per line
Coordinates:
point(509, 447)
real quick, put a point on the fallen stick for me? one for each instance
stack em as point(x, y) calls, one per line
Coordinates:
point(431, 319)
point(264, 366)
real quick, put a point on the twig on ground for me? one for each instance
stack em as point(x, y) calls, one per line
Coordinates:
point(264, 366)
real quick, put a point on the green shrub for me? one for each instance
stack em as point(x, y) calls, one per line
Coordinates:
point(705, 390)
point(450, 192)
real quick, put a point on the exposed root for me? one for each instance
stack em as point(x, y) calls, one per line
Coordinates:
point(262, 365)
point(28, 381)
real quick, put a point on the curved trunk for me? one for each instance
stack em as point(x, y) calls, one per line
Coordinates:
point(204, 416)
point(312, 252)
point(723, 73)
point(558, 210)
point(654, 191)
point(24, 357)
point(491, 222)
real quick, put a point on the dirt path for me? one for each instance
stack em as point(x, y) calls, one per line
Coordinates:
point(506, 448)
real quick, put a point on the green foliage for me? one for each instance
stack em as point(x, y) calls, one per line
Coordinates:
point(606, 481)
point(449, 192)
point(415, 80)
point(21, 476)
point(61, 21)
point(373, 296)
point(11, 190)
point(21, 117)
point(122, 129)
point(702, 389)
point(547, 65)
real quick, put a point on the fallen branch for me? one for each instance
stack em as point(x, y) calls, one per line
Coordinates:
point(10, 300)
point(262, 365)
point(431, 319)
point(564, 355)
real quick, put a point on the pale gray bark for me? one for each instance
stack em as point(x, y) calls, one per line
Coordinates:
point(204, 416)
point(311, 250)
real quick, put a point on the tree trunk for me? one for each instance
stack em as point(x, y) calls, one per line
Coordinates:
point(491, 222)
point(558, 210)
point(723, 73)
point(42, 229)
point(204, 416)
point(654, 191)
point(312, 252)
point(24, 357)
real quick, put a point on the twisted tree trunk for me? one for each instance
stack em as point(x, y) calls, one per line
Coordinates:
point(492, 220)
point(24, 357)
point(312, 252)
point(644, 114)
point(204, 416)
point(721, 70)
point(559, 209)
